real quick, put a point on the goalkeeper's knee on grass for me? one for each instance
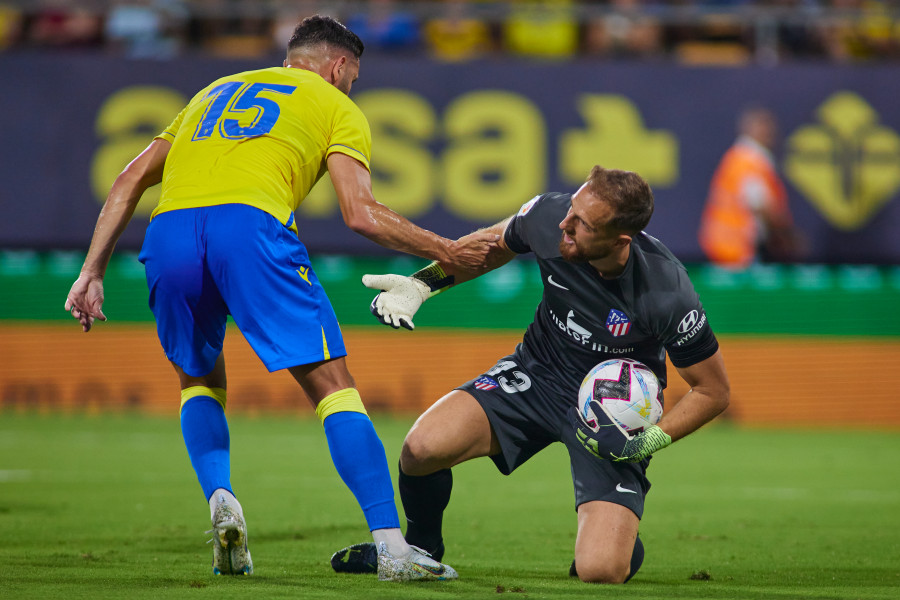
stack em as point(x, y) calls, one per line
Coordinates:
point(637, 559)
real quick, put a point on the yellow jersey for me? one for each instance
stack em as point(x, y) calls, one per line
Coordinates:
point(259, 138)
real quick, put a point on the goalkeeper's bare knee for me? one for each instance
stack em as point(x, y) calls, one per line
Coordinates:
point(418, 457)
point(597, 572)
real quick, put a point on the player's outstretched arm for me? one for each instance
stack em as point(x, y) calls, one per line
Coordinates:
point(498, 255)
point(368, 217)
point(401, 296)
point(85, 298)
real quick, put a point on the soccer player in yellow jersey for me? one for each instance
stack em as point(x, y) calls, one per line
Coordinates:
point(234, 166)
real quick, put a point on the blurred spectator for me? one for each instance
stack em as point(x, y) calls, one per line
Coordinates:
point(386, 26)
point(290, 14)
point(147, 28)
point(627, 32)
point(724, 32)
point(457, 35)
point(541, 29)
point(232, 28)
point(11, 23)
point(63, 24)
point(798, 37)
point(865, 31)
point(747, 218)
point(714, 37)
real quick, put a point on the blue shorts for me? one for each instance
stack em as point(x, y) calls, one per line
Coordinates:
point(205, 263)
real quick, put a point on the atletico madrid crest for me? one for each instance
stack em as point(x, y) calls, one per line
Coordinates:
point(618, 323)
point(485, 383)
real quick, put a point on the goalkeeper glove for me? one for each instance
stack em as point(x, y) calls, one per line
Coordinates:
point(611, 442)
point(400, 298)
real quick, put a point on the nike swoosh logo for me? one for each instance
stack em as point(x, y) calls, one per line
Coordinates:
point(554, 284)
point(439, 570)
point(619, 488)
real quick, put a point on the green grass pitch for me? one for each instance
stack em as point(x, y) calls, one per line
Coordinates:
point(108, 507)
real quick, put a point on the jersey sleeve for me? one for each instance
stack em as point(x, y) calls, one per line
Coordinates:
point(171, 131)
point(687, 335)
point(351, 134)
point(534, 227)
point(516, 236)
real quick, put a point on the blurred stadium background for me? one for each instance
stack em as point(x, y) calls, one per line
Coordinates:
point(475, 107)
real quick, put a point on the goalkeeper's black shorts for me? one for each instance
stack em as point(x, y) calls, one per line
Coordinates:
point(527, 416)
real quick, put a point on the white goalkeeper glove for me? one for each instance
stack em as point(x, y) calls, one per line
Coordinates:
point(400, 298)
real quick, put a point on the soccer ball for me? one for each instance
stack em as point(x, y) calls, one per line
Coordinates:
point(626, 390)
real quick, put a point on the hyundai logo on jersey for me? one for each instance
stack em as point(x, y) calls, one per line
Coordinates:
point(617, 322)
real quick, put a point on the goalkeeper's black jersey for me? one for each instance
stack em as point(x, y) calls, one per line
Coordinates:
point(584, 319)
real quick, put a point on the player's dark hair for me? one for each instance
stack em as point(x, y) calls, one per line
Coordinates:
point(629, 195)
point(319, 29)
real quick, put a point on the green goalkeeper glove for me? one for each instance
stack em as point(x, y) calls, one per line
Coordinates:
point(610, 442)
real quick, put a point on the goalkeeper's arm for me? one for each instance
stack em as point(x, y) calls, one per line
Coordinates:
point(401, 296)
point(708, 396)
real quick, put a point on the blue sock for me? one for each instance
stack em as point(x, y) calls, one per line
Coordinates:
point(205, 432)
point(359, 458)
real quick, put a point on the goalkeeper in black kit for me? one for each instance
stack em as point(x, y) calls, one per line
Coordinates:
point(610, 291)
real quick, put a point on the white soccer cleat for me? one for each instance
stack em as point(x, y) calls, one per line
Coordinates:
point(230, 553)
point(415, 566)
